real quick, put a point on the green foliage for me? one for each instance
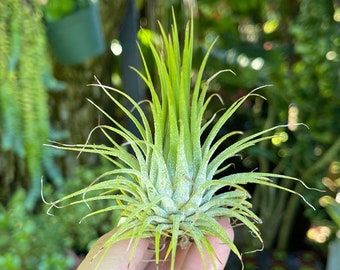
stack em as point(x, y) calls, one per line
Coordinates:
point(80, 236)
point(30, 242)
point(299, 46)
point(315, 76)
point(38, 241)
point(310, 77)
point(24, 70)
point(331, 201)
point(10, 52)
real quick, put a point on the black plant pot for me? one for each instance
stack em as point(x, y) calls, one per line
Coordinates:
point(77, 37)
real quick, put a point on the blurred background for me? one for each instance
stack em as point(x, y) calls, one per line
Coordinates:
point(50, 51)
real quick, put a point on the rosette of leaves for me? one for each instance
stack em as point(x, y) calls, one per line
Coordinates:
point(165, 181)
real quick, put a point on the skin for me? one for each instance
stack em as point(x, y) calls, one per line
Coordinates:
point(118, 255)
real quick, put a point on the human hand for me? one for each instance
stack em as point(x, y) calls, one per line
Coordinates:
point(118, 255)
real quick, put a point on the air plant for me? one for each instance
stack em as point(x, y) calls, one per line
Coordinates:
point(165, 182)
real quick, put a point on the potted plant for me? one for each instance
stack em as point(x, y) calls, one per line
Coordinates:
point(74, 30)
point(165, 180)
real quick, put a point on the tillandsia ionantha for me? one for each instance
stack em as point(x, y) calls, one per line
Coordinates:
point(165, 182)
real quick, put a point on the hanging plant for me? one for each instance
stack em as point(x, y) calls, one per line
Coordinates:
point(74, 30)
point(23, 95)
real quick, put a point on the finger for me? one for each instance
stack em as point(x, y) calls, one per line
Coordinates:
point(166, 265)
point(189, 258)
point(142, 256)
point(117, 256)
point(193, 260)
